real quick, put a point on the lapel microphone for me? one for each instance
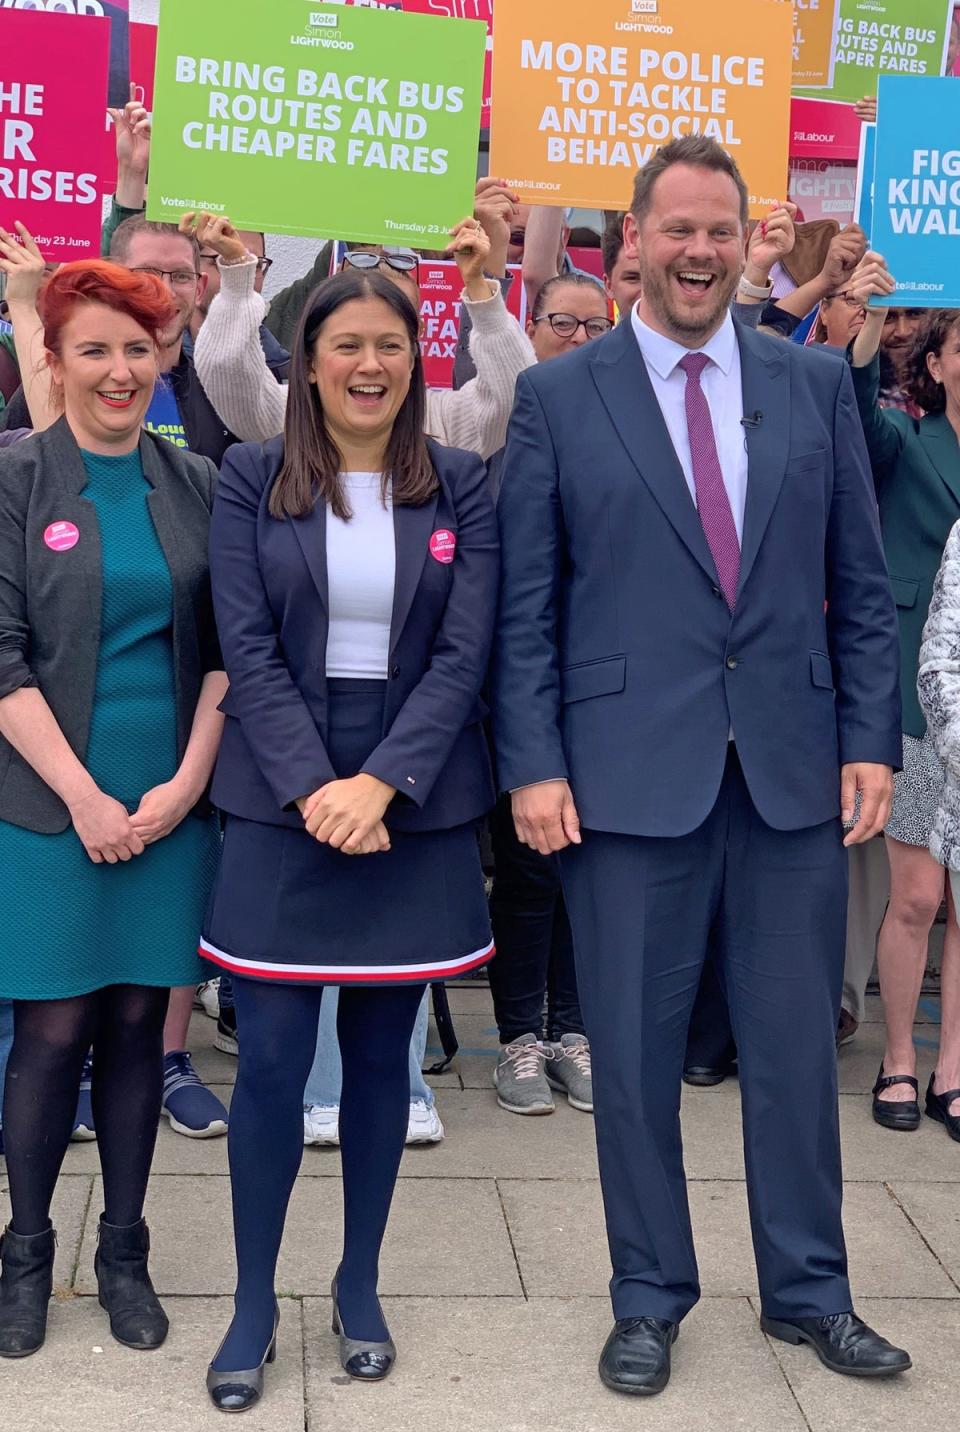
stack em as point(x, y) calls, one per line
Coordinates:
point(753, 422)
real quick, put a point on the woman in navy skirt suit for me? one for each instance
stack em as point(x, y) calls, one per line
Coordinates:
point(354, 566)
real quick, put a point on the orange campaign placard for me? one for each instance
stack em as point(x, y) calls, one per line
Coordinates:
point(584, 94)
point(814, 26)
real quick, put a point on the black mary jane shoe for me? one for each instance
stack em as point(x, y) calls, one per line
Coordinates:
point(896, 1116)
point(843, 1343)
point(366, 1361)
point(239, 1391)
point(938, 1107)
point(636, 1356)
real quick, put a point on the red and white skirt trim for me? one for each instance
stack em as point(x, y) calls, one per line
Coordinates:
point(420, 973)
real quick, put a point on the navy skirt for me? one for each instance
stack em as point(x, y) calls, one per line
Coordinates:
point(288, 909)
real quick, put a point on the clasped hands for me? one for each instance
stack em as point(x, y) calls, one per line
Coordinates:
point(109, 833)
point(348, 814)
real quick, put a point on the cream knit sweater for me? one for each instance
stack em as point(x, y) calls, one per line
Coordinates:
point(251, 403)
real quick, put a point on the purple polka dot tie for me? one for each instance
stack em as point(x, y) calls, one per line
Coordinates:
point(713, 504)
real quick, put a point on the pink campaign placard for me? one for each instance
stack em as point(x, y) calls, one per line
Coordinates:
point(823, 129)
point(143, 63)
point(53, 79)
point(440, 305)
point(143, 60)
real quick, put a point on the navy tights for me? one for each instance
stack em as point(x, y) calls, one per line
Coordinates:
point(278, 1035)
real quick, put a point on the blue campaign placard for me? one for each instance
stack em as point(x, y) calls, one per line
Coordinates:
point(863, 202)
point(916, 197)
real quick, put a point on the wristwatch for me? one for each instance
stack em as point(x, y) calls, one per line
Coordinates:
point(754, 290)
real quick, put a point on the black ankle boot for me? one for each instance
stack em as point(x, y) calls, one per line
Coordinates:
point(25, 1287)
point(126, 1292)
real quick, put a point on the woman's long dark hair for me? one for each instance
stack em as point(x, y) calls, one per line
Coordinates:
point(311, 459)
point(934, 333)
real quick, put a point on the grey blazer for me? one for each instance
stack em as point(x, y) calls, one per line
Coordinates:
point(50, 600)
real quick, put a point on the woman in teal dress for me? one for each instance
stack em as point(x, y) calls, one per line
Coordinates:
point(110, 680)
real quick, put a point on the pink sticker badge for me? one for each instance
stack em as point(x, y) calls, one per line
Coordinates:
point(61, 536)
point(443, 545)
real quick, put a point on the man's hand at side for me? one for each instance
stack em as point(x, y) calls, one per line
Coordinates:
point(545, 816)
point(875, 784)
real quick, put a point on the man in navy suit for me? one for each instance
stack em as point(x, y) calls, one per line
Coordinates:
point(695, 695)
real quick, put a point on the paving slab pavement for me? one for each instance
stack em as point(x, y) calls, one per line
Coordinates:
point(83, 1381)
point(494, 1278)
point(483, 1365)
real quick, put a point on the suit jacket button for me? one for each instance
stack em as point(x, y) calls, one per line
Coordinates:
point(395, 672)
point(732, 663)
point(716, 591)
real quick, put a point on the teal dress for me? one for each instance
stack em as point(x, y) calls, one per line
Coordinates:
point(68, 926)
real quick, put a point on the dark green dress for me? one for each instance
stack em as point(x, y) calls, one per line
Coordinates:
point(68, 926)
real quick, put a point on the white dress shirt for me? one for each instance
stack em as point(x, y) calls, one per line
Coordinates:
point(723, 390)
point(361, 571)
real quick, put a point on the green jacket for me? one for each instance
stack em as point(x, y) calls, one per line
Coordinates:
point(285, 307)
point(113, 220)
point(9, 348)
point(916, 469)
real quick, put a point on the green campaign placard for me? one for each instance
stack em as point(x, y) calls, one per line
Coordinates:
point(304, 117)
point(885, 37)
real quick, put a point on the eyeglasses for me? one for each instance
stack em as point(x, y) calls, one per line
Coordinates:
point(180, 278)
point(848, 299)
point(263, 265)
point(565, 325)
point(403, 263)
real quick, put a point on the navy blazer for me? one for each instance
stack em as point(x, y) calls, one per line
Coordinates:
point(618, 664)
point(271, 601)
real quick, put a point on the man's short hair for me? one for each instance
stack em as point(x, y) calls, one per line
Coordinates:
point(125, 233)
point(695, 149)
point(611, 244)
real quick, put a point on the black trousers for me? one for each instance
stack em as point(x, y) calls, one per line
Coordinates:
point(643, 910)
point(532, 934)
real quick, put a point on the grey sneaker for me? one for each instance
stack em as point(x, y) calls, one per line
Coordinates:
point(519, 1079)
point(570, 1071)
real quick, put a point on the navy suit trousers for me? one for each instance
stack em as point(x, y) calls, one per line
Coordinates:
point(772, 904)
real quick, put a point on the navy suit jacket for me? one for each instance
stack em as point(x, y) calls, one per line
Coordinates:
point(271, 601)
point(618, 664)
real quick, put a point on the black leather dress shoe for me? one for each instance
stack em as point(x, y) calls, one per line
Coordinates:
point(895, 1116)
point(938, 1107)
point(636, 1355)
point(703, 1077)
point(842, 1342)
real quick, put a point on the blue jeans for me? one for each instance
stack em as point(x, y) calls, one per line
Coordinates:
point(6, 1039)
point(326, 1076)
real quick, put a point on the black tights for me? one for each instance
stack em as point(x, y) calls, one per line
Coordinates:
point(124, 1024)
point(278, 1036)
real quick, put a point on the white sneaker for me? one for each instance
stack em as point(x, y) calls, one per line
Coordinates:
point(424, 1126)
point(321, 1125)
point(207, 998)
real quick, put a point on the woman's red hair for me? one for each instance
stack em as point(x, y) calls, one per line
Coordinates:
point(140, 296)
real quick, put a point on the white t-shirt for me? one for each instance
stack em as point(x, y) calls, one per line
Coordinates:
point(361, 571)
